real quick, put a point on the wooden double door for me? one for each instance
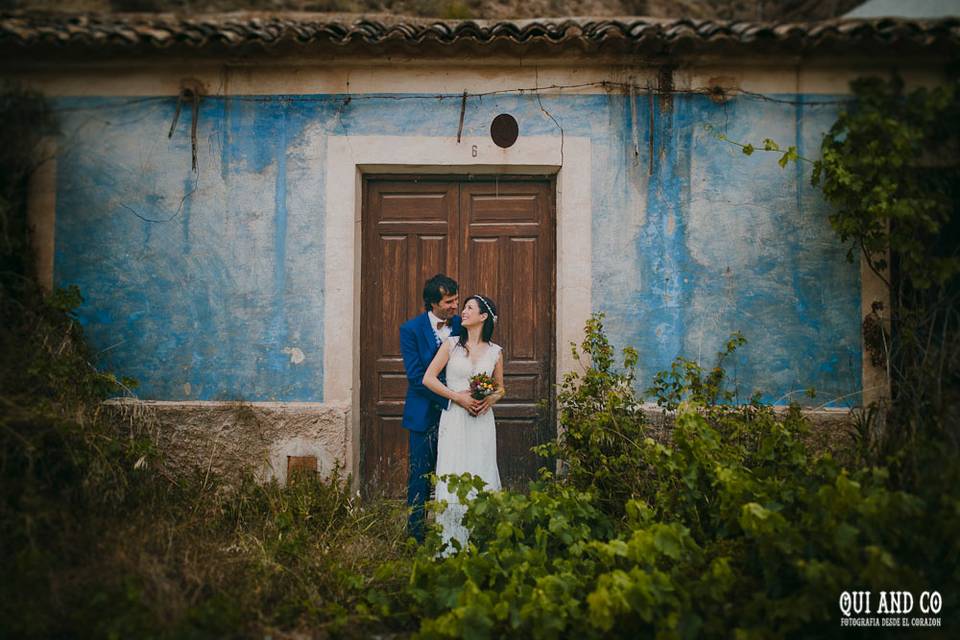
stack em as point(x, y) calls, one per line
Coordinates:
point(493, 236)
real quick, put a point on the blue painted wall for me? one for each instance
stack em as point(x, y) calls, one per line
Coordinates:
point(209, 285)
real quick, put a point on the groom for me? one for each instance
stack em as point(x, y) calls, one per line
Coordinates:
point(420, 338)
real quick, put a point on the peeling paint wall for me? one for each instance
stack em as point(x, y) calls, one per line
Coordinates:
point(710, 241)
point(209, 286)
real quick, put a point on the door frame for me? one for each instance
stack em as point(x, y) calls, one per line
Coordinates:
point(349, 158)
point(484, 178)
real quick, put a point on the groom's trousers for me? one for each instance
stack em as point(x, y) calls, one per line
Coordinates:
point(421, 463)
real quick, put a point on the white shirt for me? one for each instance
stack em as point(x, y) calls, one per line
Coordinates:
point(442, 334)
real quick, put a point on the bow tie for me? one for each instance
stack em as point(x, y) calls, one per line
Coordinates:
point(443, 323)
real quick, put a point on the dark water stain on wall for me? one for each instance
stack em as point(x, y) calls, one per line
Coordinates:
point(226, 300)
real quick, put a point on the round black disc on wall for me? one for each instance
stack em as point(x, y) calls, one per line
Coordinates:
point(504, 130)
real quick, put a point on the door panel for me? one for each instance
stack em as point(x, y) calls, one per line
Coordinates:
point(495, 238)
point(508, 245)
point(407, 238)
point(393, 253)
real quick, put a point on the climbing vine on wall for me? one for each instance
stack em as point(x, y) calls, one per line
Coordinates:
point(888, 166)
point(890, 169)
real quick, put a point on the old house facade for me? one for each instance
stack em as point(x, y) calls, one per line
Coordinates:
point(250, 204)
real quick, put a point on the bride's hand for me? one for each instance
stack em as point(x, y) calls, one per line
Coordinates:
point(465, 400)
point(484, 405)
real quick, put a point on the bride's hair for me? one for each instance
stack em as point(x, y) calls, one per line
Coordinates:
point(488, 307)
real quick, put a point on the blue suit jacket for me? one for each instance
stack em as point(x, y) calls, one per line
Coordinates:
point(418, 345)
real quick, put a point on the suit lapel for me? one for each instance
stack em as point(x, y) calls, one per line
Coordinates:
point(428, 335)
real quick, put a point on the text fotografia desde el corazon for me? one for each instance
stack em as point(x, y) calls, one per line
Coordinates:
point(893, 609)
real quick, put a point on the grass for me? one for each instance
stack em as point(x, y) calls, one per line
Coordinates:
point(177, 561)
point(101, 540)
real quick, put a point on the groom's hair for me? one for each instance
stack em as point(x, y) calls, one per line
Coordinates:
point(436, 288)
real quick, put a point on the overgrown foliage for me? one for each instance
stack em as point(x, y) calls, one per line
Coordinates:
point(731, 528)
point(99, 542)
point(600, 419)
point(728, 526)
point(890, 169)
point(686, 381)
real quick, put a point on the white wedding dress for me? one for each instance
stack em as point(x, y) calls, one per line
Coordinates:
point(466, 443)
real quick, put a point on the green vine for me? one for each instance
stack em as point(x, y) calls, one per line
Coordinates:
point(768, 144)
point(890, 169)
point(883, 166)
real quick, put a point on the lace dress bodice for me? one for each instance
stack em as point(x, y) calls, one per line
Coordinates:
point(460, 368)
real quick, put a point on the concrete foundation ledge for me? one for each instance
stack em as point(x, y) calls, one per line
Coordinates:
point(271, 438)
point(230, 438)
point(829, 428)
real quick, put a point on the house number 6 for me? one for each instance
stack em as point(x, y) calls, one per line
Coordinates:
point(473, 150)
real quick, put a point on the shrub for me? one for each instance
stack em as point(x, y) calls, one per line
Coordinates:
point(98, 541)
point(600, 421)
point(729, 529)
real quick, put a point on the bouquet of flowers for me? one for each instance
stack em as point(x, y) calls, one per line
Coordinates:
point(482, 385)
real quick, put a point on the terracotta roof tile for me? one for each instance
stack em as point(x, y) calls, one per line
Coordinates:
point(144, 32)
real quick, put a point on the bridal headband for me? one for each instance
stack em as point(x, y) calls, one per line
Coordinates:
point(487, 305)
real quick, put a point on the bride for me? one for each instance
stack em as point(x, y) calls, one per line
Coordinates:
point(467, 440)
